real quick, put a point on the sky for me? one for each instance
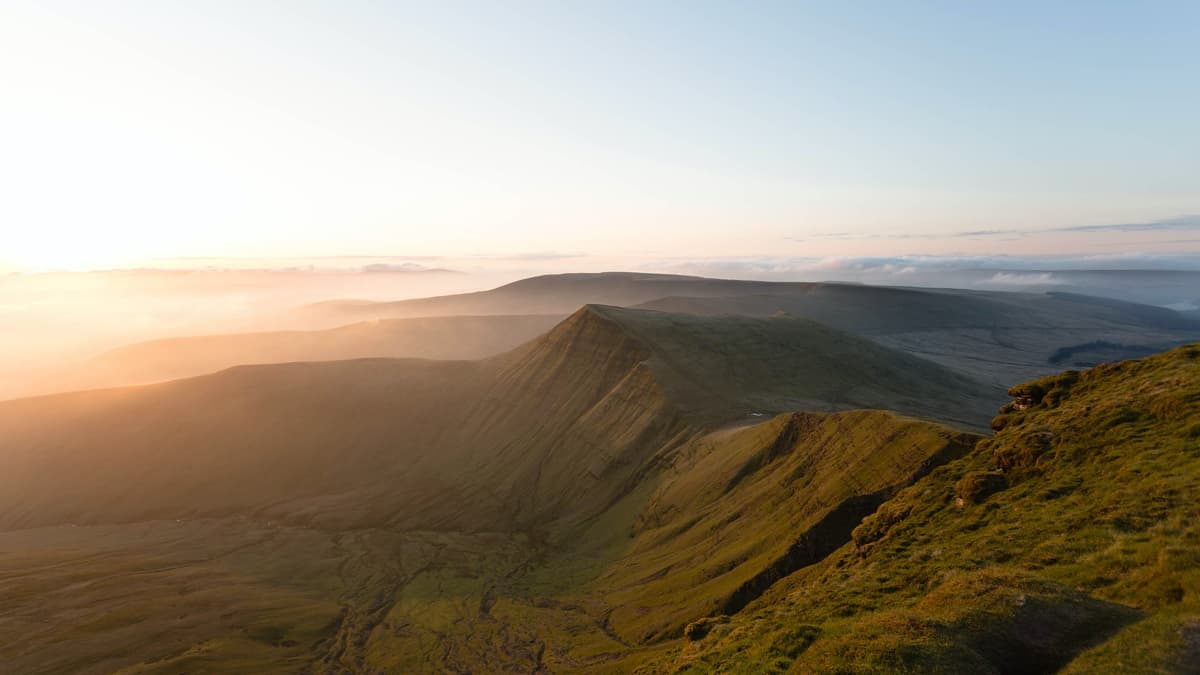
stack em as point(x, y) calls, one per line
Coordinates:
point(133, 132)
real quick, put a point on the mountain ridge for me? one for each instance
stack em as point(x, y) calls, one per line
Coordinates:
point(552, 430)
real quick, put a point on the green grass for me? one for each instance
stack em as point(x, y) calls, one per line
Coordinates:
point(1095, 529)
point(623, 538)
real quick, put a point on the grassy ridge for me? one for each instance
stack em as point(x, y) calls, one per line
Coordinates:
point(1068, 540)
point(749, 507)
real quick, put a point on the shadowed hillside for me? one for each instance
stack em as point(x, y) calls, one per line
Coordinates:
point(1003, 338)
point(714, 365)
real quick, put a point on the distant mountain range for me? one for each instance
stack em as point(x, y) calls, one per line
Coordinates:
point(1001, 338)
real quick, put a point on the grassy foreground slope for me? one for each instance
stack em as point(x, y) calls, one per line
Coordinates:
point(1068, 541)
point(707, 525)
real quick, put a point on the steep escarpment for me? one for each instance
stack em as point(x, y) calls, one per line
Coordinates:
point(736, 511)
point(565, 425)
point(1068, 541)
point(573, 420)
point(711, 524)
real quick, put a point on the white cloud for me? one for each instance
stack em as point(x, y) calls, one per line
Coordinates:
point(1022, 279)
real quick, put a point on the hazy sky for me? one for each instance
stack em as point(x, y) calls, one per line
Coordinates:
point(136, 131)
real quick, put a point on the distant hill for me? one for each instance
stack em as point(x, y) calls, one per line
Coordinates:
point(1001, 337)
point(1152, 287)
point(456, 337)
point(547, 294)
point(861, 307)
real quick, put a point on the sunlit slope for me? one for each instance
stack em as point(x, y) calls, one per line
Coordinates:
point(553, 430)
point(708, 526)
point(1068, 541)
point(740, 510)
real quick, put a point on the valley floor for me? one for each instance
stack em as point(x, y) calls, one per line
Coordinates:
point(238, 596)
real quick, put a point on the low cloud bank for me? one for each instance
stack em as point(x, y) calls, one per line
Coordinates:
point(1022, 279)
